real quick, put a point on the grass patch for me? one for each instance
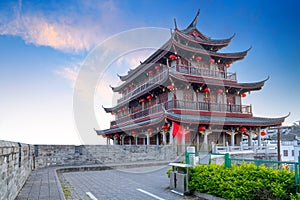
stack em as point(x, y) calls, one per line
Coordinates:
point(68, 190)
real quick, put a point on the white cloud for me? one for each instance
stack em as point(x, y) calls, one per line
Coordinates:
point(67, 31)
point(69, 73)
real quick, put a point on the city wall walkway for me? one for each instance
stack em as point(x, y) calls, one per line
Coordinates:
point(44, 184)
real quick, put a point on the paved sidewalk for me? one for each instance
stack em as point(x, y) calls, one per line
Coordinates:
point(42, 184)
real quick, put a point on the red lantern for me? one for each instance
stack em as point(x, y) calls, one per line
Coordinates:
point(120, 92)
point(263, 133)
point(149, 97)
point(133, 132)
point(157, 68)
point(219, 91)
point(198, 58)
point(172, 57)
point(170, 87)
point(201, 128)
point(151, 72)
point(142, 101)
point(206, 90)
point(227, 65)
point(211, 60)
point(165, 127)
point(117, 135)
point(243, 95)
point(150, 130)
point(243, 129)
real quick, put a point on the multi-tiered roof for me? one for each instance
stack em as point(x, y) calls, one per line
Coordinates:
point(185, 81)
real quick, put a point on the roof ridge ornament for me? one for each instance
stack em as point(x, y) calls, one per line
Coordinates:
point(175, 24)
point(194, 22)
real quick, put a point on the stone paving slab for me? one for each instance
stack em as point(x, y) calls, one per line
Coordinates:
point(44, 184)
point(121, 185)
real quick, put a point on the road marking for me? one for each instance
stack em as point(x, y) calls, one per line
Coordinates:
point(148, 193)
point(177, 192)
point(91, 196)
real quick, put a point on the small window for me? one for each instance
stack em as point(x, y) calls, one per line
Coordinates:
point(285, 153)
point(293, 153)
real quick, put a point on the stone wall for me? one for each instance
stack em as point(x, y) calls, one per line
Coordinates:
point(17, 159)
point(64, 155)
point(16, 163)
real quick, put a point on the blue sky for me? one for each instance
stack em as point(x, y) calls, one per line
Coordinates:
point(44, 43)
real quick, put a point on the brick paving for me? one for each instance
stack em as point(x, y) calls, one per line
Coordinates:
point(42, 184)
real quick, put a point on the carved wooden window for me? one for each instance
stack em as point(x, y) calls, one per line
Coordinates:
point(150, 103)
point(137, 108)
point(188, 95)
point(213, 98)
point(163, 97)
point(221, 68)
point(230, 99)
point(184, 62)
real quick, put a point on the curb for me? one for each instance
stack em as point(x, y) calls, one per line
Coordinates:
point(207, 196)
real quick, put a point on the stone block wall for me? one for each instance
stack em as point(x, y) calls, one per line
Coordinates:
point(17, 160)
point(64, 155)
point(16, 163)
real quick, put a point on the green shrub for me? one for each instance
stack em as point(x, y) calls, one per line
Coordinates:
point(246, 181)
point(169, 171)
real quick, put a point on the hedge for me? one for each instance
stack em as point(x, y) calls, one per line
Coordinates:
point(246, 181)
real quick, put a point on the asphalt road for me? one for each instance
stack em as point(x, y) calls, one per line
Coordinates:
point(135, 183)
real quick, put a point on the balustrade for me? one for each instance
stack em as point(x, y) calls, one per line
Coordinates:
point(157, 79)
point(191, 70)
point(184, 105)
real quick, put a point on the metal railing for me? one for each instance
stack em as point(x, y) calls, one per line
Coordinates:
point(140, 114)
point(156, 79)
point(205, 106)
point(256, 149)
point(184, 105)
point(293, 166)
point(228, 162)
point(198, 71)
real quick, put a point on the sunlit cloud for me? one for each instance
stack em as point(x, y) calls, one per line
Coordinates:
point(68, 73)
point(69, 32)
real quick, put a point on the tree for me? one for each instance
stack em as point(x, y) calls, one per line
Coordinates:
point(296, 127)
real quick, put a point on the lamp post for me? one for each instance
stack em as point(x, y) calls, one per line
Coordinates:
point(278, 144)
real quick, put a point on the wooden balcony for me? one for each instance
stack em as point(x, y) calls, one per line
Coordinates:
point(210, 107)
point(184, 105)
point(156, 109)
point(190, 70)
point(155, 80)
